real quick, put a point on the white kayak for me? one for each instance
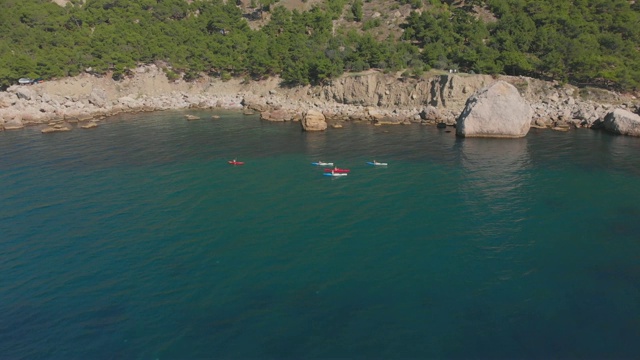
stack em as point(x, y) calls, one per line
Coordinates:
point(375, 163)
point(334, 174)
point(320, 163)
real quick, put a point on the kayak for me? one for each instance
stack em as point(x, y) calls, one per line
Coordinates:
point(320, 163)
point(334, 174)
point(337, 170)
point(375, 163)
point(233, 162)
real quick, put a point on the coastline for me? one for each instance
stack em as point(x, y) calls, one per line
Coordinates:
point(370, 96)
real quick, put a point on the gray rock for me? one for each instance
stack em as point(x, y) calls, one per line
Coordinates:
point(449, 120)
point(128, 101)
point(275, 115)
point(13, 123)
point(554, 98)
point(24, 92)
point(314, 120)
point(430, 113)
point(623, 122)
point(564, 114)
point(98, 97)
point(585, 113)
point(374, 114)
point(495, 111)
point(541, 123)
point(7, 99)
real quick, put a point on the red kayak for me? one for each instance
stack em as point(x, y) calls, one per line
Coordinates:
point(337, 170)
point(233, 162)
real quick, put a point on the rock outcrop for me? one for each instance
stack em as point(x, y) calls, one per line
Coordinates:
point(430, 113)
point(276, 115)
point(314, 120)
point(55, 128)
point(89, 125)
point(98, 97)
point(24, 92)
point(623, 122)
point(495, 111)
point(13, 123)
point(370, 96)
point(7, 99)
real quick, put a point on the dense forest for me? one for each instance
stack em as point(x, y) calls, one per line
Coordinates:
point(584, 42)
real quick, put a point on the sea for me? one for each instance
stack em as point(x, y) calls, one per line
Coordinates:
point(137, 240)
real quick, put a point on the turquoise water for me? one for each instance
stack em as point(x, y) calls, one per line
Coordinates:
point(136, 240)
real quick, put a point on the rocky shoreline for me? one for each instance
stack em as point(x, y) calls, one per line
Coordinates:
point(371, 96)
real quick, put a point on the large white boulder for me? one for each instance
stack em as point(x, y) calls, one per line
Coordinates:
point(498, 111)
point(314, 120)
point(623, 122)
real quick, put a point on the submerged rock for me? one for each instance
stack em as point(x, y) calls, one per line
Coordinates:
point(89, 125)
point(56, 128)
point(495, 111)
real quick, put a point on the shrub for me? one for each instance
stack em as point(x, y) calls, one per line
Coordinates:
point(170, 74)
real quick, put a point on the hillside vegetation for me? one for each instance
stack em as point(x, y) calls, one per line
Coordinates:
point(585, 42)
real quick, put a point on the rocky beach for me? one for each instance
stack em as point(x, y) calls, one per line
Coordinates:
point(85, 100)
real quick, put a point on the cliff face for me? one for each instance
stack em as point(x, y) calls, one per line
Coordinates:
point(551, 102)
point(370, 96)
point(448, 91)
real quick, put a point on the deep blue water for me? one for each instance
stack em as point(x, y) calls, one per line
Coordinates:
point(136, 240)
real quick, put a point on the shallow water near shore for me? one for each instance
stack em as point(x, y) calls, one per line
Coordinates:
point(136, 240)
